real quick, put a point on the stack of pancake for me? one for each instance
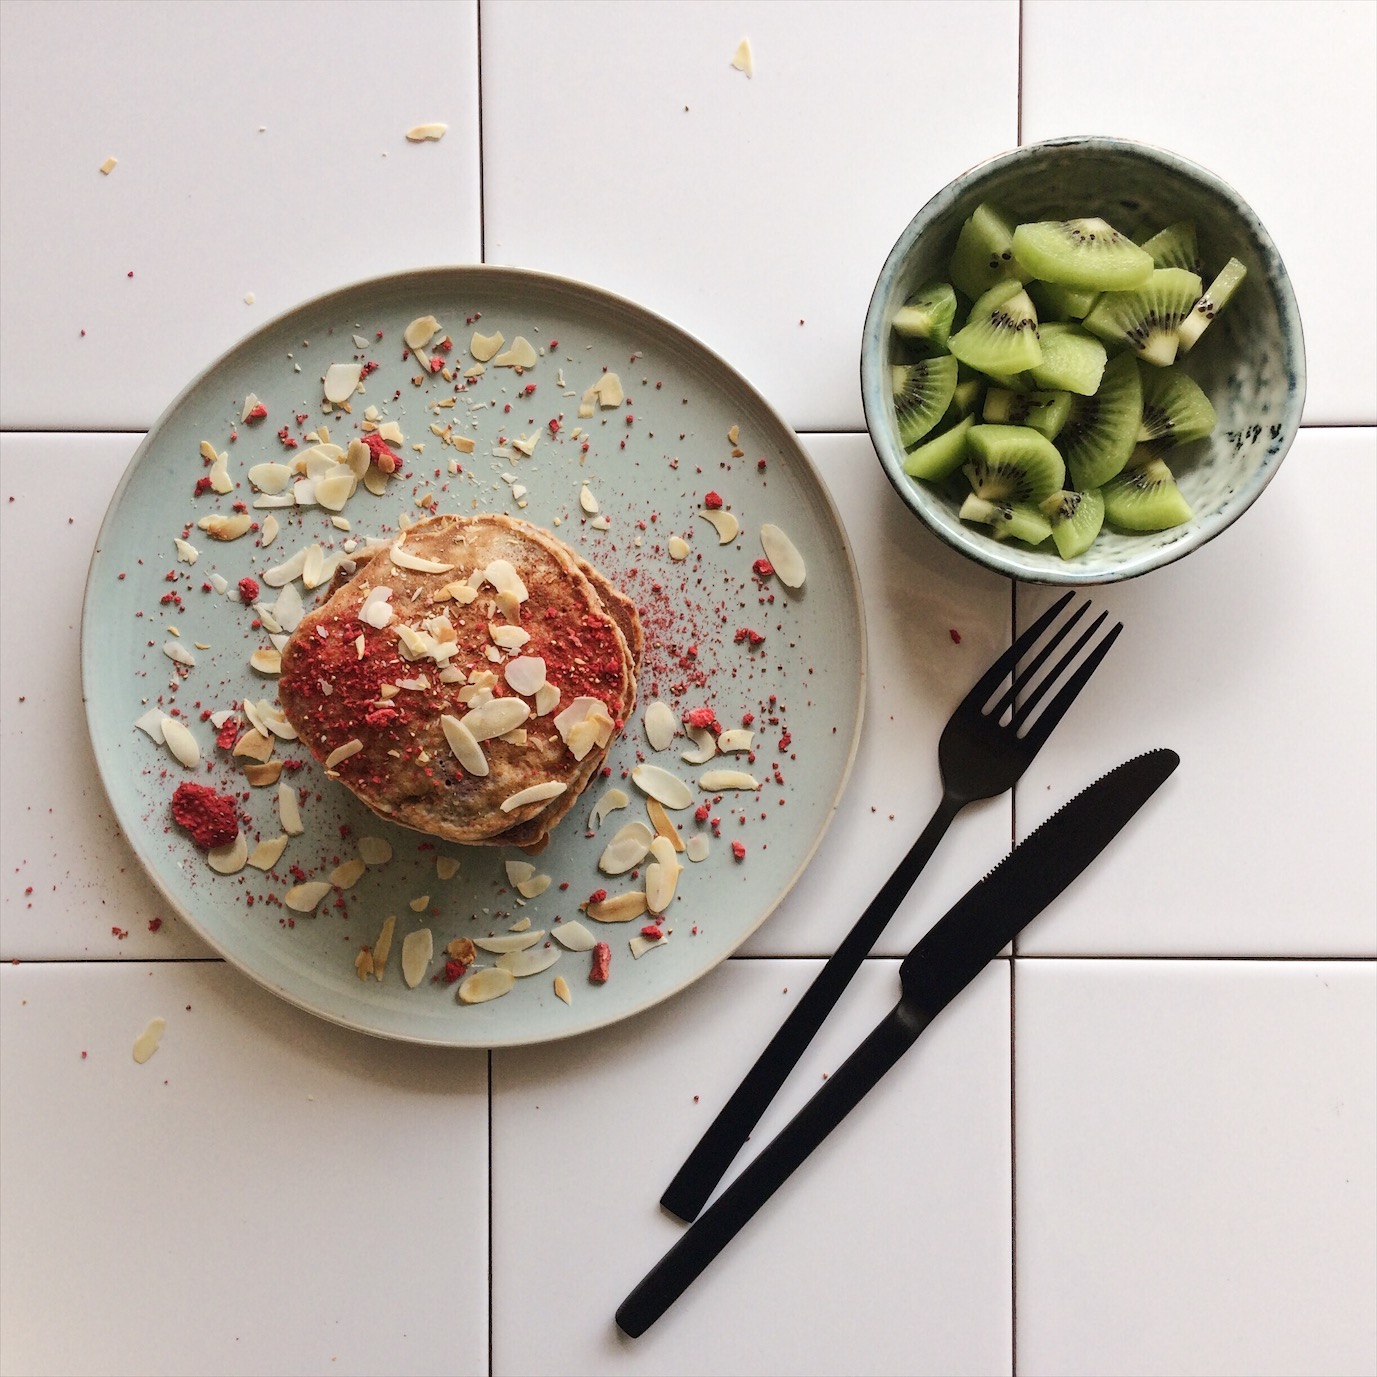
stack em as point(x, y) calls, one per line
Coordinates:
point(467, 680)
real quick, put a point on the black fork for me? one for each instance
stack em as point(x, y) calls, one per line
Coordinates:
point(985, 748)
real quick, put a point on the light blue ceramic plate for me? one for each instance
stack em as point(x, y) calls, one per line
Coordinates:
point(650, 464)
point(1250, 361)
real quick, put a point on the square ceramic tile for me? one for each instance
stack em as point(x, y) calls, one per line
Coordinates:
point(1280, 101)
point(887, 1251)
point(621, 146)
point(70, 884)
point(260, 151)
point(1194, 1148)
point(934, 622)
point(267, 1193)
point(1256, 659)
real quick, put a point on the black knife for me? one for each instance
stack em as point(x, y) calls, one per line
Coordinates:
point(947, 959)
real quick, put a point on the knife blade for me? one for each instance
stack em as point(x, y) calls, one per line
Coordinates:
point(945, 961)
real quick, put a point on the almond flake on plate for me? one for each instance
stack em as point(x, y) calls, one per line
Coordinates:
point(382, 948)
point(267, 853)
point(587, 501)
point(620, 908)
point(303, 898)
point(627, 849)
point(152, 723)
point(521, 355)
point(613, 799)
point(679, 548)
point(663, 824)
point(419, 904)
point(537, 793)
point(348, 873)
point(219, 527)
point(698, 847)
point(524, 963)
point(723, 522)
point(375, 850)
point(289, 810)
point(229, 859)
point(446, 867)
point(271, 477)
point(704, 746)
point(340, 381)
point(417, 949)
point(661, 875)
point(266, 661)
point(484, 985)
point(715, 781)
point(268, 531)
point(483, 347)
point(562, 990)
point(641, 943)
point(186, 552)
point(255, 744)
point(420, 332)
point(517, 941)
point(180, 742)
point(783, 555)
point(735, 739)
point(660, 725)
point(260, 775)
point(174, 650)
point(744, 61)
point(660, 784)
point(574, 936)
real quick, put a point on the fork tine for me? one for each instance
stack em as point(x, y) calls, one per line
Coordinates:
point(1024, 673)
point(991, 679)
point(1036, 694)
point(1053, 713)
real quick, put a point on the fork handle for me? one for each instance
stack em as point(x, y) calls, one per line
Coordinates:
point(707, 1163)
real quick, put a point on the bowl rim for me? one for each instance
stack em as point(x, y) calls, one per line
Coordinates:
point(1028, 566)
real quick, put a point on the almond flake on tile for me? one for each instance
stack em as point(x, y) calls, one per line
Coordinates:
point(186, 552)
point(417, 949)
point(375, 850)
point(526, 963)
point(484, 985)
point(627, 849)
point(679, 548)
point(340, 381)
point(484, 347)
point(515, 941)
point(147, 1041)
point(176, 651)
point(521, 355)
point(613, 799)
point(261, 775)
point(348, 873)
point(382, 948)
point(620, 908)
point(342, 753)
point(574, 936)
point(267, 853)
point(181, 743)
point(698, 847)
point(289, 810)
point(641, 943)
point(109, 165)
point(704, 746)
point(152, 723)
point(660, 784)
point(744, 61)
point(537, 793)
point(562, 990)
point(231, 858)
point(266, 661)
point(735, 739)
point(723, 522)
point(219, 527)
point(303, 898)
point(784, 555)
point(660, 725)
point(422, 133)
point(716, 781)
point(587, 501)
point(663, 824)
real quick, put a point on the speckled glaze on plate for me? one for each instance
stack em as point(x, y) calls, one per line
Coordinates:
point(1250, 361)
point(650, 465)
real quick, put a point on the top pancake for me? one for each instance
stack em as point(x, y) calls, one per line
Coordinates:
point(441, 655)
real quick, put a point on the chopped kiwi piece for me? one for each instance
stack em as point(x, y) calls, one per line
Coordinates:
point(1148, 317)
point(922, 393)
point(1144, 497)
point(1057, 301)
point(1210, 303)
point(1073, 360)
point(1046, 412)
point(1081, 253)
point(1000, 334)
point(1175, 247)
point(1175, 408)
point(1076, 519)
point(984, 252)
point(1098, 437)
point(928, 314)
point(941, 455)
point(1013, 464)
point(965, 400)
point(1007, 520)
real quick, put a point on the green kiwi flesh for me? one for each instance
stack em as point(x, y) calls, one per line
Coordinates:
point(1013, 464)
point(1144, 497)
point(1211, 303)
point(1000, 334)
point(1007, 520)
point(1081, 253)
point(1046, 412)
point(922, 393)
point(1147, 318)
point(1175, 247)
point(984, 252)
point(928, 314)
point(1057, 301)
point(1098, 437)
point(1175, 408)
point(941, 455)
point(1073, 360)
point(1076, 518)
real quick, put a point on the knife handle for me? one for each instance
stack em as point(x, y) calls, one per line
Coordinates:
point(703, 1240)
point(705, 1166)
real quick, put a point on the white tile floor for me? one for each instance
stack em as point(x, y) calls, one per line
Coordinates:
point(1144, 1145)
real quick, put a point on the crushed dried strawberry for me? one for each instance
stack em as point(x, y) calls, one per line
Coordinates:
point(227, 735)
point(248, 590)
point(257, 413)
point(705, 718)
point(739, 850)
point(212, 819)
point(602, 963)
point(713, 501)
point(762, 568)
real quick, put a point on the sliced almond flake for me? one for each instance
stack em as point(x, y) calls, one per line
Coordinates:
point(267, 853)
point(587, 501)
point(181, 743)
point(601, 523)
point(289, 810)
point(495, 718)
point(526, 963)
point(527, 443)
point(316, 569)
point(230, 858)
point(357, 458)
point(279, 641)
point(361, 343)
point(264, 502)
point(744, 61)
point(521, 925)
point(340, 523)
point(274, 720)
point(620, 908)
point(483, 347)
point(446, 867)
point(534, 887)
point(267, 532)
point(715, 781)
point(663, 824)
point(261, 775)
point(422, 133)
point(174, 650)
point(152, 723)
point(679, 548)
point(660, 784)
point(420, 332)
point(783, 555)
point(574, 936)
point(519, 871)
point(271, 478)
point(220, 481)
point(147, 1041)
point(512, 941)
point(627, 849)
point(704, 746)
point(607, 391)
point(340, 381)
point(303, 898)
point(392, 433)
point(735, 739)
point(255, 745)
point(546, 699)
point(613, 799)
point(283, 574)
point(304, 492)
point(333, 491)
point(404, 559)
point(343, 753)
point(698, 847)
point(661, 875)
point(562, 990)
point(419, 904)
point(525, 674)
point(107, 167)
point(186, 552)
point(219, 527)
point(734, 435)
point(375, 611)
point(417, 949)
point(266, 661)
point(537, 793)
point(508, 637)
point(219, 582)
point(347, 874)
point(382, 948)
point(375, 480)
point(521, 355)
point(723, 522)
point(375, 850)
point(484, 985)
point(640, 944)
point(503, 576)
point(660, 725)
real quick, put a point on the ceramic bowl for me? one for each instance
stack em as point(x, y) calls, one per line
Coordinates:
point(1250, 361)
